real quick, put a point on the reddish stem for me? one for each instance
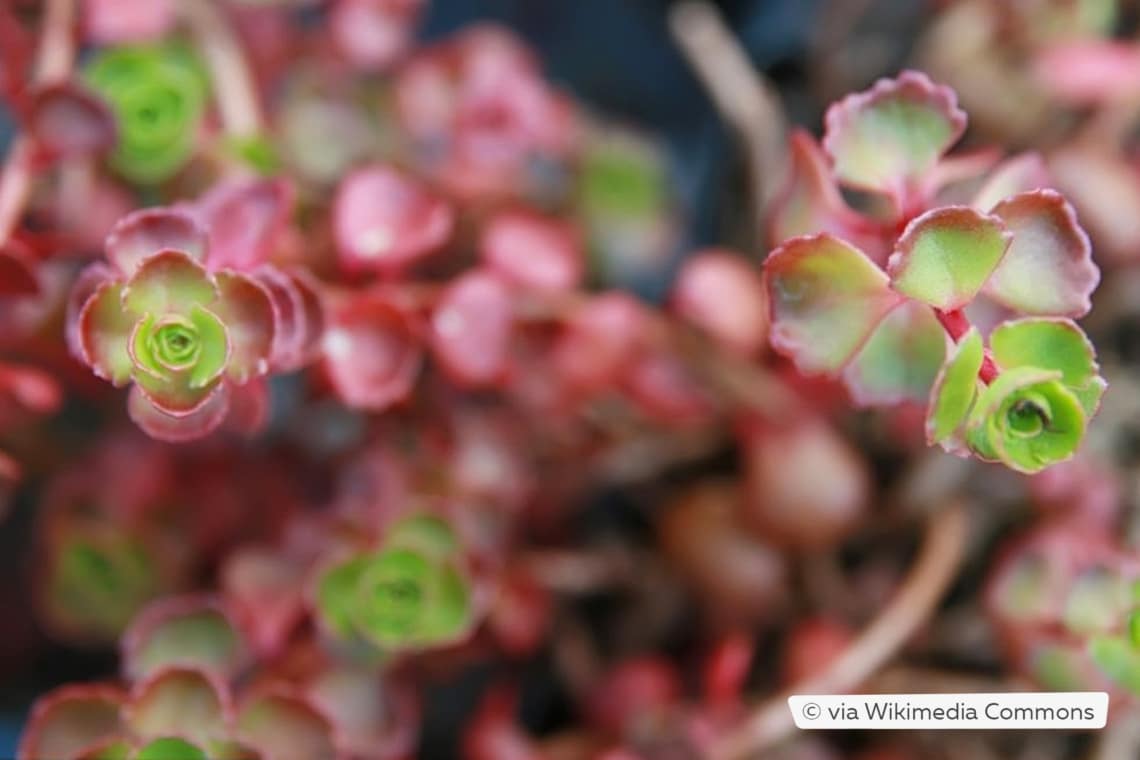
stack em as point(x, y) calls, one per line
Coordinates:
point(957, 325)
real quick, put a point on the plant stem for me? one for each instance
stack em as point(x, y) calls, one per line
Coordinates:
point(742, 95)
point(957, 325)
point(933, 572)
point(232, 79)
point(54, 60)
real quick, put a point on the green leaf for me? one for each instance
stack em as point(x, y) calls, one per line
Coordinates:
point(170, 282)
point(1049, 343)
point(178, 702)
point(1118, 660)
point(888, 138)
point(900, 360)
point(170, 748)
point(1028, 419)
point(955, 388)
point(826, 299)
point(393, 595)
point(336, 596)
point(215, 348)
point(945, 256)
point(428, 534)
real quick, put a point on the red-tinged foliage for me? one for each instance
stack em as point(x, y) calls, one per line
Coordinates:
point(811, 646)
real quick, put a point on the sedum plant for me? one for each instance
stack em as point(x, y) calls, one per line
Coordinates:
point(884, 299)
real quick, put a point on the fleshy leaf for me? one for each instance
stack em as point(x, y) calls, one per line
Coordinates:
point(70, 719)
point(245, 221)
point(373, 352)
point(183, 631)
point(471, 329)
point(723, 294)
point(244, 306)
point(286, 727)
point(1118, 659)
point(179, 702)
point(1028, 419)
point(1054, 344)
point(180, 391)
point(170, 281)
point(298, 318)
point(945, 256)
point(887, 138)
point(826, 299)
point(1048, 268)
point(955, 388)
point(104, 334)
point(169, 748)
point(1096, 602)
point(386, 220)
point(335, 594)
point(176, 429)
point(144, 233)
point(68, 121)
point(533, 251)
point(427, 534)
point(112, 22)
point(900, 360)
point(1019, 174)
point(810, 202)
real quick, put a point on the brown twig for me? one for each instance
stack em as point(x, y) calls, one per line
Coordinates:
point(233, 82)
point(54, 59)
point(935, 569)
point(743, 96)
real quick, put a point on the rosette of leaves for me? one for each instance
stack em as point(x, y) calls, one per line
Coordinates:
point(411, 593)
point(182, 335)
point(158, 97)
point(1066, 604)
point(883, 325)
point(180, 657)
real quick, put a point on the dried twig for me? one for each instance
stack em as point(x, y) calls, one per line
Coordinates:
point(743, 96)
point(932, 574)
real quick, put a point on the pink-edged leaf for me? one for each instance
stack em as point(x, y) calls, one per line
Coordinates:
point(163, 426)
point(17, 271)
point(826, 298)
point(244, 221)
point(249, 407)
point(963, 166)
point(115, 22)
point(67, 121)
point(177, 701)
point(1048, 269)
point(245, 307)
point(721, 293)
point(142, 234)
point(1105, 189)
point(945, 256)
point(385, 220)
point(900, 360)
point(373, 352)
point(299, 319)
point(185, 631)
point(68, 720)
point(889, 137)
point(373, 715)
point(1019, 174)
point(598, 341)
point(810, 202)
point(265, 591)
point(89, 280)
point(533, 251)
point(104, 331)
point(374, 34)
point(286, 726)
point(170, 281)
point(1088, 72)
point(471, 329)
